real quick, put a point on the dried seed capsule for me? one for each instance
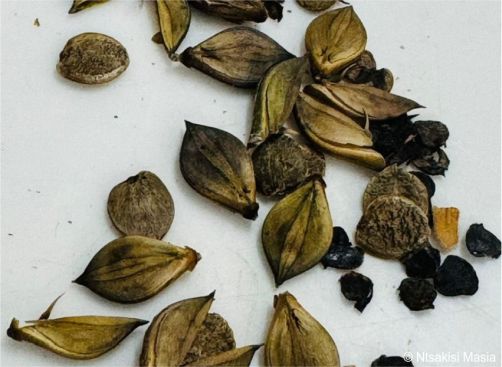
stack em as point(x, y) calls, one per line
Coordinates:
point(141, 205)
point(360, 100)
point(432, 134)
point(316, 5)
point(297, 231)
point(217, 166)
point(173, 332)
point(446, 226)
point(334, 40)
point(357, 287)
point(234, 11)
point(396, 181)
point(422, 263)
point(240, 357)
point(335, 132)
point(436, 163)
point(79, 5)
point(481, 242)
point(295, 338)
point(417, 294)
point(392, 361)
point(78, 337)
point(238, 56)
point(92, 58)
point(281, 164)
point(134, 268)
point(275, 98)
point(456, 277)
point(341, 254)
point(391, 227)
point(174, 20)
point(215, 336)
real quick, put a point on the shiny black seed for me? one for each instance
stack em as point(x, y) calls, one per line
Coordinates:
point(432, 134)
point(456, 277)
point(422, 263)
point(357, 287)
point(417, 294)
point(341, 254)
point(391, 361)
point(481, 242)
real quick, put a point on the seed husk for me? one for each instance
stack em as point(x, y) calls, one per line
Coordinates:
point(334, 40)
point(92, 58)
point(217, 166)
point(391, 227)
point(297, 231)
point(77, 337)
point(174, 20)
point(335, 132)
point(396, 181)
point(481, 242)
point(446, 226)
point(141, 205)
point(417, 294)
point(357, 287)
point(173, 332)
point(456, 277)
point(295, 338)
point(316, 5)
point(275, 98)
point(281, 164)
point(239, 357)
point(360, 100)
point(233, 11)
point(79, 5)
point(134, 268)
point(239, 56)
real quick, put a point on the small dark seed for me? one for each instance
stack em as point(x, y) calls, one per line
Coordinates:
point(481, 242)
point(357, 287)
point(456, 277)
point(417, 294)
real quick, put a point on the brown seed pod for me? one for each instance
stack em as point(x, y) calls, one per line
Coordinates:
point(316, 5)
point(391, 227)
point(141, 205)
point(92, 58)
point(174, 20)
point(446, 226)
point(396, 181)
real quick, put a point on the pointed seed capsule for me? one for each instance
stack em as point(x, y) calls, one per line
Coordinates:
point(174, 19)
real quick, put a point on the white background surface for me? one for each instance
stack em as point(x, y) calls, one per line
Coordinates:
point(63, 150)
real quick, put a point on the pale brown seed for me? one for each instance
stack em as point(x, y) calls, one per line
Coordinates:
point(446, 226)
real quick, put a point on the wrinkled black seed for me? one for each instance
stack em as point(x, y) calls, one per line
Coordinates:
point(357, 287)
point(417, 294)
point(436, 163)
point(422, 263)
point(391, 361)
point(481, 242)
point(456, 277)
point(432, 134)
point(341, 254)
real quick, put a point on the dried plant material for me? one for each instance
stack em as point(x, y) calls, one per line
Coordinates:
point(396, 181)
point(297, 231)
point(341, 253)
point(281, 164)
point(316, 5)
point(446, 226)
point(334, 40)
point(417, 294)
point(173, 332)
point(481, 242)
point(217, 166)
point(215, 336)
point(234, 11)
point(141, 205)
point(359, 100)
point(422, 263)
point(274, 9)
point(240, 357)
point(361, 66)
point(92, 58)
point(397, 361)
point(295, 338)
point(432, 134)
point(391, 227)
point(36, 22)
point(275, 98)
point(456, 277)
point(174, 20)
point(337, 133)
point(358, 288)
point(78, 337)
point(134, 268)
point(79, 5)
point(239, 56)
point(436, 163)
point(157, 38)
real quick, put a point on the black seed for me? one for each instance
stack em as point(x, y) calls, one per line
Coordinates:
point(422, 263)
point(357, 287)
point(481, 242)
point(432, 134)
point(340, 237)
point(392, 361)
point(341, 254)
point(456, 277)
point(417, 294)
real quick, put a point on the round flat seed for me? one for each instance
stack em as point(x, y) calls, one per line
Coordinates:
point(391, 227)
point(92, 58)
point(397, 182)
